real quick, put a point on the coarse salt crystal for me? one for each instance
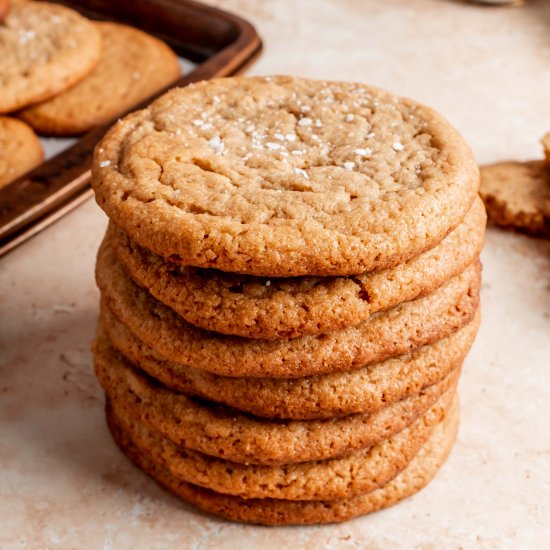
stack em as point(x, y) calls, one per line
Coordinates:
point(305, 108)
point(104, 163)
point(363, 152)
point(217, 144)
point(290, 137)
point(25, 36)
point(398, 146)
point(268, 283)
point(272, 146)
point(278, 136)
point(297, 152)
point(198, 122)
point(176, 192)
point(350, 165)
point(349, 117)
point(301, 172)
point(306, 121)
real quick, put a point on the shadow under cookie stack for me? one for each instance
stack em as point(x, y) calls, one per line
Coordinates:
point(289, 286)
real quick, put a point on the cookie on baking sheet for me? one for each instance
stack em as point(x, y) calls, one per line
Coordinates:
point(419, 472)
point(44, 48)
point(132, 66)
point(283, 176)
point(384, 335)
point(360, 472)
point(517, 195)
point(286, 308)
point(4, 9)
point(20, 149)
point(364, 390)
point(220, 431)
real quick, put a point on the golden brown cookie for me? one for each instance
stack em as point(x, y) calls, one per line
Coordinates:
point(44, 49)
point(4, 9)
point(282, 176)
point(132, 66)
point(546, 145)
point(414, 477)
point(387, 334)
point(220, 431)
point(256, 307)
point(363, 390)
point(360, 472)
point(517, 195)
point(20, 149)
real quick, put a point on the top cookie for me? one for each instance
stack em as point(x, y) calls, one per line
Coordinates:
point(44, 48)
point(132, 67)
point(282, 176)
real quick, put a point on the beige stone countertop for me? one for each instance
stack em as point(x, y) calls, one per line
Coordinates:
point(64, 484)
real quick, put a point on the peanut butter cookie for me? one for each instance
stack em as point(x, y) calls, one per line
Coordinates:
point(132, 66)
point(364, 390)
point(517, 195)
point(414, 477)
point(387, 334)
point(44, 48)
point(282, 176)
point(278, 308)
point(20, 149)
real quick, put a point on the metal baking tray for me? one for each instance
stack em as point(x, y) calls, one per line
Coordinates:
point(218, 43)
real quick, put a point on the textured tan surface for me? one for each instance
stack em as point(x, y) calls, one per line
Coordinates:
point(44, 48)
point(286, 308)
point(226, 433)
point(132, 66)
point(20, 149)
point(209, 175)
point(360, 472)
point(363, 390)
point(388, 334)
point(66, 485)
point(283, 512)
point(517, 195)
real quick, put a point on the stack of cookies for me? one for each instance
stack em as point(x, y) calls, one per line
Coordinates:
point(289, 286)
point(62, 75)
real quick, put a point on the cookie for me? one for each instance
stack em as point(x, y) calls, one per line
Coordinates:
point(20, 149)
point(363, 390)
point(388, 334)
point(132, 66)
point(44, 48)
point(220, 431)
point(282, 176)
point(360, 472)
point(546, 145)
point(517, 195)
point(286, 308)
point(4, 9)
point(420, 471)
